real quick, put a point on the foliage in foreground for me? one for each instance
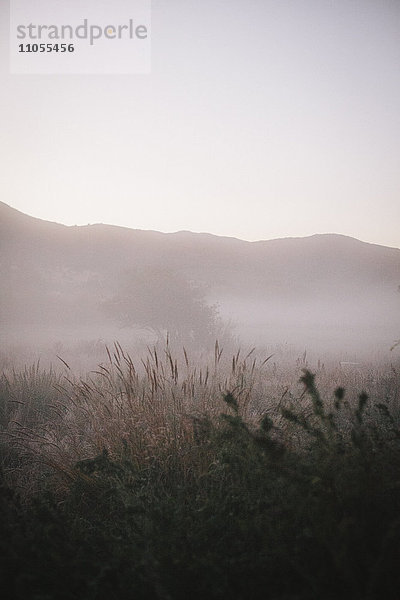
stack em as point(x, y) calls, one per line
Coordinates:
point(302, 505)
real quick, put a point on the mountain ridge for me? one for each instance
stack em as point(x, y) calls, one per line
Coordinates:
point(58, 274)
point(6, 211)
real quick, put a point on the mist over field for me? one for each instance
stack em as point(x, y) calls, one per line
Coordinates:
point(64, 286)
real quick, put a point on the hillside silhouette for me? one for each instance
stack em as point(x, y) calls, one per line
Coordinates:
point(322, 289)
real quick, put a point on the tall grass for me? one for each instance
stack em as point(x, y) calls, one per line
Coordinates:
point(167, 479)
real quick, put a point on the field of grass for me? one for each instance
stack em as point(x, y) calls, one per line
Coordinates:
point(233, 475)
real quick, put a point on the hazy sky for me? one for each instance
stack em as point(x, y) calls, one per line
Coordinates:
point(260, 119)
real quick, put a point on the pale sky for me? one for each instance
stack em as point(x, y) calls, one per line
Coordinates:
point(260, 119)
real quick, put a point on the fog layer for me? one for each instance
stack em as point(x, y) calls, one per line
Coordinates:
point(323, 293)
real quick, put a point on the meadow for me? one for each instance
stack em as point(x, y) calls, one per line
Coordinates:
point(169, 475)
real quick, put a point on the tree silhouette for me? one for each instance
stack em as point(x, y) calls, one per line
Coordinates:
point(164, 301)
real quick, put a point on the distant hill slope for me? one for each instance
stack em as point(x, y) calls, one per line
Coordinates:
point(51, 273)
